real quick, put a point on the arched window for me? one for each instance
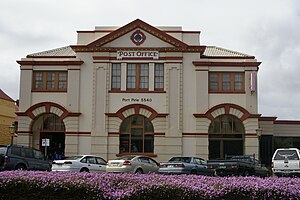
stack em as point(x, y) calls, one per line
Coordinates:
point(226, 137)
point(136, 135)
point(52, 122)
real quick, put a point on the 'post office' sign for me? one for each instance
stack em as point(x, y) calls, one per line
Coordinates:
point(137, 54)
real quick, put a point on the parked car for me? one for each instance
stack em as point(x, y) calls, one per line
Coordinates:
point(14, 157)
point(133, 164)
point(285, 162)
point(240, 165)
point(80, 163)
point(186, 165)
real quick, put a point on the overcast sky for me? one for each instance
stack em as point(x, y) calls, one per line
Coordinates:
point(267, 29)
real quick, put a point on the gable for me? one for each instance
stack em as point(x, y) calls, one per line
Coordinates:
point(144, 28)
point(138, 38)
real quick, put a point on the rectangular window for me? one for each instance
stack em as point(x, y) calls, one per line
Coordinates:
point(238, 82)
point(214, 82)
point(50, 81)
point(137, 76)
point(226, 82)
point(116, 76)
point(38, 80)
point(159, 77)
point(131, 76)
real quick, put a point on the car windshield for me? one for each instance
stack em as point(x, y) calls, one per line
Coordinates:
point(286, 154)
point(125, 158)
point(73, 158)
point(180, 159)
point(3, 150)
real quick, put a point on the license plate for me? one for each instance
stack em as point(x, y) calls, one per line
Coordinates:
point(170, 166)
point(222, 167)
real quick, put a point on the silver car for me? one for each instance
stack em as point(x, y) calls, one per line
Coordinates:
point(133, 164)
point(81, 163)
point(186, 165)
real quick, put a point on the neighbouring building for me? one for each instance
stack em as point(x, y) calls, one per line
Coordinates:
point(7, 118)
point(140, 89)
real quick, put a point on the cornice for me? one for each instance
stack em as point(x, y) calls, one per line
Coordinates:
point(235, 64)
point(48, 62)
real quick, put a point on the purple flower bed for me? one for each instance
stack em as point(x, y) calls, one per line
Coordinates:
point(51, 185)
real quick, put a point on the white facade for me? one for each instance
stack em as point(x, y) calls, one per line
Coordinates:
point(200, 84)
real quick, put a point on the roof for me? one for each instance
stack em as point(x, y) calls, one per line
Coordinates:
point(213, 51)
point(58, 52)
point(210, 51)
point(5, 96)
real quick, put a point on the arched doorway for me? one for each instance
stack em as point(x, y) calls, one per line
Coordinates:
point(50, 126)
point(226, 137)
point(136, 135)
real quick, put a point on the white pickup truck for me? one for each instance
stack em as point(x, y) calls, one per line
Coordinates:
point(286, 162)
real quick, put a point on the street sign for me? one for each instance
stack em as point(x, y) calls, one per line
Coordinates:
point(46, 142)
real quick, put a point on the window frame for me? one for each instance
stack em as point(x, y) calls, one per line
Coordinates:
point(128, 134)
point(41, 78)
point(116, 78)
point(137, 76)
point(159, 78)
point(220, 82)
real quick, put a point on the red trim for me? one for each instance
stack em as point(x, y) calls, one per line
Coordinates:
point(47, 106)
point(136, 58)
point(51, 63)
point(194, 134)
point(227, 92)
point(137, 108)
point(137, 24)
point(192, 49)
point(44, 90)
point(118, 133)
point(227, 107)
point(233, 64)
point(114, 133)
point(267, 118)
point(228, 57)
point(78, 133)
point(160, 134)
point(143, 39)
point(135, 91)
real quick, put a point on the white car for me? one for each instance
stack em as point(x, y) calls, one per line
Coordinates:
point(81, 163)
point(133, 164)
point(286, 162)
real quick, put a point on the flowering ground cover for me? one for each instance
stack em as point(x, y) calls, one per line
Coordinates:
point(53, 185)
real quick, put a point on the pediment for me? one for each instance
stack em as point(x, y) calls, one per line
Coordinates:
point(137, 34)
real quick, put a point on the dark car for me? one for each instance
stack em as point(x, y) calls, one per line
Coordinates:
point(186, 165)
point(14, 157)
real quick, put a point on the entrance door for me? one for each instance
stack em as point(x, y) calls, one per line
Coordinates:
point(226, 137)
point(50, 126)
point(57, 143)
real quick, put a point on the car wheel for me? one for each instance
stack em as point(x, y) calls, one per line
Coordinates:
point(193, 172)
point(139, 171)
point(84, 170)
point(20, 167)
